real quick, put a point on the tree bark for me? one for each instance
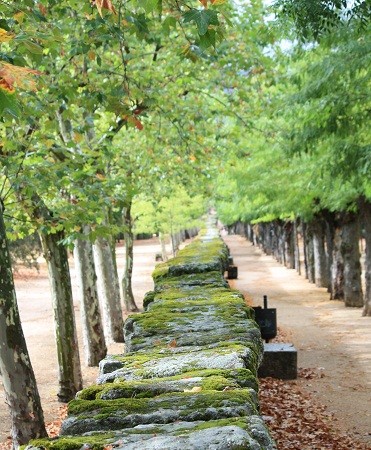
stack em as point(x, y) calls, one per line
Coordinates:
point(69, 371)
point(297, 263)
point(127, 290)
point(335, 260)
point(163, 246)
point(56, 256)
point(320, 259)
point(289, 245)
point(366, 215)
point(350, 235)
point(108, 291)
point(16, 372)
point(92, 328)
point(308, 252)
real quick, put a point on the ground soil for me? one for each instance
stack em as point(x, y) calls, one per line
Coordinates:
point(333, 342)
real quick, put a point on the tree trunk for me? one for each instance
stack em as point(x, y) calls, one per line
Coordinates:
point(366, 215)
point(289, 245)
point(335, 260)
point(308, 252)
point(320, 259)
point(350, 235)
point(94, 343)
point(163, 246)
point(297, 263)
point(16, 373)
point(108, 291)
point(56, 256)
point(70, 380)
point(127, 290)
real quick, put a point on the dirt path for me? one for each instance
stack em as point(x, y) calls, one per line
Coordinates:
point(332, 340)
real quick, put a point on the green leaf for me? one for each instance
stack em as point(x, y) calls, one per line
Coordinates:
point(148, 5)
point(208, 39)
point(8, 104)
point(32, 47)
point(203, 18)
point(169, 22)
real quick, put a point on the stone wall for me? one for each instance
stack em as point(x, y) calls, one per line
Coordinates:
point(188, 377)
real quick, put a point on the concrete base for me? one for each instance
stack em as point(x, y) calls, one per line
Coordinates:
point(232, 273)
point(279, 361)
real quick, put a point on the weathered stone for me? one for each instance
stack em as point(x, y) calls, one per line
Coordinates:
point(240, 433)
point(157, 365)
point(279, 361)
point(188, 377)
point(189, 326)
point(210, 379)
point(105, 415)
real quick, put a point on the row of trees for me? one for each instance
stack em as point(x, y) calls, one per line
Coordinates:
point(99, 103)
point(118, 115)
point(307, 165)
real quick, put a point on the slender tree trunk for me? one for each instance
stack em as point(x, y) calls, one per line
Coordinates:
point(281, 243)
point(16, 373)
point(56, 256)
point(366, 214)
point(350, 235)
point(163, 246)
point(335, 259)
point(70, 380)
point(108, 291)
point(337, 269)
point(329, 223)
point(127, 290)
point(289, 245)
point(309, 252)
point(94, 343)
point(275, 240)
point(297, 263)
point(320, 260)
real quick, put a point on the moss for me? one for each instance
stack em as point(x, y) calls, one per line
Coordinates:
point(182, 401)
point(233, 421)
point(199, 256)
point(163, 320)
point(213, 278)
point(210, 379)
point(217, 383)
point(148, 298)
point(98, 442)
point(90, 393)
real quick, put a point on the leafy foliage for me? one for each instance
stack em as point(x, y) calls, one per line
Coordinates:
point(314, 19)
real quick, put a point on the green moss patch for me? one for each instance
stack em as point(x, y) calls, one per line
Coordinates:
point(100, 415)
point(199, 256)
point(97, 442)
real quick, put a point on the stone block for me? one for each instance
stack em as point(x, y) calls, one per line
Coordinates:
point(280, 360)
point(232, 273)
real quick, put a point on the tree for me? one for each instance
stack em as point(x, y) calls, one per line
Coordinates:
point(16, 372)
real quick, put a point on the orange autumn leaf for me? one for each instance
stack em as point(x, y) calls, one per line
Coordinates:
point(172, 344)
point(204, 3)
point(133, 120)
point(42, 9)
point(104, 4)
point(16, 76)
point(5, 36)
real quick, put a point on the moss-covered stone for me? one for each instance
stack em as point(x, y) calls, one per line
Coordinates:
point(200, 256)
point(234, 433)
point(97, 442)
point(209, 379)
point(190, 380)
point(101, 415)
point(176, 360)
